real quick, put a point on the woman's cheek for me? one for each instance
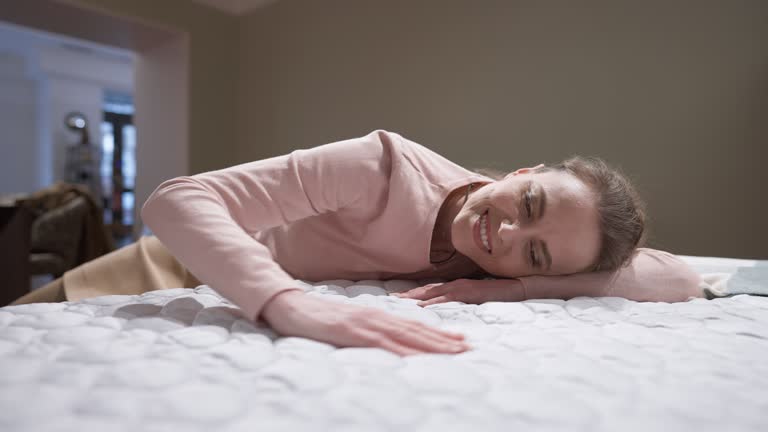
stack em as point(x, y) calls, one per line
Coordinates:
point(505, 267)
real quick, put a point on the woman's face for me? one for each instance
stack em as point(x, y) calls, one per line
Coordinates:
point(529, 223)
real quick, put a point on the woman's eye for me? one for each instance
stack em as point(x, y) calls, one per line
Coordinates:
point(533, 256)
point(528, 204)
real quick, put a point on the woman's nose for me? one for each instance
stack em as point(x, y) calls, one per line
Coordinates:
point(508, 230)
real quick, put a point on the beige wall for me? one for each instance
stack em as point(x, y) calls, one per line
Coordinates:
point(673, 91)
point(213, 71)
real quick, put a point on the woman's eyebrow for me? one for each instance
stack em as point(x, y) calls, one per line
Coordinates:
point(542, 207)
point(542, 200)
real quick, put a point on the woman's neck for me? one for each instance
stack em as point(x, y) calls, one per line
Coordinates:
point(445, 217)
point(442, 250)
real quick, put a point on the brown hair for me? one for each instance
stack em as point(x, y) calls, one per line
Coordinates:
point(621, 211)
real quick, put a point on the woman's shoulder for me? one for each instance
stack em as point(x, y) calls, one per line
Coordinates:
point(435, 167)
point(380, 153)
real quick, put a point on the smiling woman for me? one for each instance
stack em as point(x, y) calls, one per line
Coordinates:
point(505, 229)
point(384, 207)
point(576, 216)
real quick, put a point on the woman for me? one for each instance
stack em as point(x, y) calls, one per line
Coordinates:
point(384, 207)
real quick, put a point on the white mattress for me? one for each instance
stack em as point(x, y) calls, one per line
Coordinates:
point(182, 359)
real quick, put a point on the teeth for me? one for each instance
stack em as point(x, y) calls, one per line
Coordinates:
point(484, 231)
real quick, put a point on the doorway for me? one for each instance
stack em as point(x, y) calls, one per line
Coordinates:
point(118, 174)
point(161, 89)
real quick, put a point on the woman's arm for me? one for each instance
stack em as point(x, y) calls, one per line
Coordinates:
point(207, 221)
point(651, 275)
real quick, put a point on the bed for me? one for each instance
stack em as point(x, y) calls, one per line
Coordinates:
point(184, 359)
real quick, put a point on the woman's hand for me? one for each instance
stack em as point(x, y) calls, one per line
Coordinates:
point(467, 291)
point(294, 313)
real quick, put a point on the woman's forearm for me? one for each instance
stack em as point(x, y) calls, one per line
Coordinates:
point(200, 232)
point(208, 221)
point(651, 275)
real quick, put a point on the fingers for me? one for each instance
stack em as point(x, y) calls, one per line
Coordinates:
point(413, 293)
point(452, 335)
point(426, 292)
point(387, 338)
point(435, 300)
point(398, 348)
point(440, 338)
point(421, 325)
point(426, 299)
point(422, 338)
point(361, 337)
point(457, 336)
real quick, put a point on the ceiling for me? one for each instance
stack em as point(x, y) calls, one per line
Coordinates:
point(235, 7)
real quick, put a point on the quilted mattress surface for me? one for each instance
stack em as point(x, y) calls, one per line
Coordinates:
point(184, 359)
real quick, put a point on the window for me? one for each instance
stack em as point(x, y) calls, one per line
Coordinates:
point(118, 162)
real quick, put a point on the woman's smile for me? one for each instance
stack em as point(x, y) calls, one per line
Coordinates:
point(482, 233)
point(511, 227)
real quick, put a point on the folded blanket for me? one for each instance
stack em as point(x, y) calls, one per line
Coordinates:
point(746, 280)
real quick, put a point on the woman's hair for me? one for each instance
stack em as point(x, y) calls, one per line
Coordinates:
point(621, 211)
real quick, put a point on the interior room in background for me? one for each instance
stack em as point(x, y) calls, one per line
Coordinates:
point(302, 195)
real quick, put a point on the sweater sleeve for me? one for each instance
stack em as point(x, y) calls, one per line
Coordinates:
point(207, 221)
point(651, 275)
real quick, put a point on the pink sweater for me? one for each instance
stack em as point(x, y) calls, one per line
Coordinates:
point(356, 209)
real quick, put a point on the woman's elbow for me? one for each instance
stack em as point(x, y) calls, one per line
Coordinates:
point(157, 205)
point(660, 276)
point(684, 282)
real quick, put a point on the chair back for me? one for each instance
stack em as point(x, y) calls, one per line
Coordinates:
point(58, 233)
